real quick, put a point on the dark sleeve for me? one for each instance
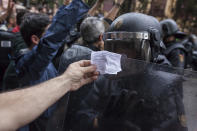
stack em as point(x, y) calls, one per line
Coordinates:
point(19, 44)
point(177, 58)
point(39, 58)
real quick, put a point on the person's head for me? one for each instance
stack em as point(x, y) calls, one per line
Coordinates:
point(44, 10)
point(34, 9)
point(136, 35)
point(170, 30)
point(19, 16)
point(12, 21)
point(33, 27)
point(92, 29)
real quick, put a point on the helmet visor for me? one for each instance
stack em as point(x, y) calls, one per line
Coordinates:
point(134, 44)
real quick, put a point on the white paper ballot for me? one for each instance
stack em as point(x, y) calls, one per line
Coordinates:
point(106, 62)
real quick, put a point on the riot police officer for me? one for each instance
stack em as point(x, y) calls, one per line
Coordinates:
point(5, 49)
point(193, 53)
point(175, 52)
point(143, 99)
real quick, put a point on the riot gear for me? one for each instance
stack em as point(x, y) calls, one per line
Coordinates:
point(193, 39)
point(176, 51)
point(135, 100)
point(136, 32)
point(190, 43)
point(6, 45)
point(140, 97)
point(170, 28)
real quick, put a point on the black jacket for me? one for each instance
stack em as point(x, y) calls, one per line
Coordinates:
point(160, 110)
point(10, 80)
point(176, 54)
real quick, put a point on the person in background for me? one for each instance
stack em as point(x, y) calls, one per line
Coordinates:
point(91, 30)
point(6, 14)
point(36, 66)
point(19, 19)
point(138, 98)
point(176, 53)
point(10, 79)
point(11, 22)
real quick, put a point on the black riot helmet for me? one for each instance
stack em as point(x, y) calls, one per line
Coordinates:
point(193, 40)
point(170, 28)
point(136, 35)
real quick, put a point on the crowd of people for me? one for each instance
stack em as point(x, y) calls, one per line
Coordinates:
point(49, 52)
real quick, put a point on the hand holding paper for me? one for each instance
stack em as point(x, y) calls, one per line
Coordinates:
point(106, 62)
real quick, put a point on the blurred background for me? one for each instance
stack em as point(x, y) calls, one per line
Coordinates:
point(183, 11)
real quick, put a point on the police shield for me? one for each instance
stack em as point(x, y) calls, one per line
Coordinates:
point(166, 96)
point(142, 97)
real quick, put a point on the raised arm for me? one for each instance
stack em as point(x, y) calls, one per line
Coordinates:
point(95, 7)
point(115, 9)
point(35, 63)
point(8, 11)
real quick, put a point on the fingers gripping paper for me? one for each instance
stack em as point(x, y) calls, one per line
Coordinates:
point(106, 62)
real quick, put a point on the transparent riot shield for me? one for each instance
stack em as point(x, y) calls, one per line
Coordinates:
point(190, 96)
point(142, 97)
point(185, 79)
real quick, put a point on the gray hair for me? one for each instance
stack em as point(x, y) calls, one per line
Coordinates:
point(91, 28)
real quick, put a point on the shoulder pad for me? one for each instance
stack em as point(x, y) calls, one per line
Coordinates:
point(174, 46)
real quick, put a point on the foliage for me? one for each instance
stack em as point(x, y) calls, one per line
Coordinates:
point(186, 13)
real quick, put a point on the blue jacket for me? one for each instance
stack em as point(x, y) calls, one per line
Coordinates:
point(36, 66)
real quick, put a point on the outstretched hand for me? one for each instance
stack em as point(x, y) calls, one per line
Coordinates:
point(80, 73)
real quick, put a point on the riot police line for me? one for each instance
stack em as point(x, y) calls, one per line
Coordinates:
point(145, 96)
point(186, 43)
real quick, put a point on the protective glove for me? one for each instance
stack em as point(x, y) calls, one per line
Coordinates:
point(162, 60)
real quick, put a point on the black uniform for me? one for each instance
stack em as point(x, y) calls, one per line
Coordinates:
point(176, 54)
point(142, 97)
point(10, 80)
point(5, 49)
point(156, 106)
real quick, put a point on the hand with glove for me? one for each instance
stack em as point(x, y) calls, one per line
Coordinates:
point(114, 116)
point(162, 60)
